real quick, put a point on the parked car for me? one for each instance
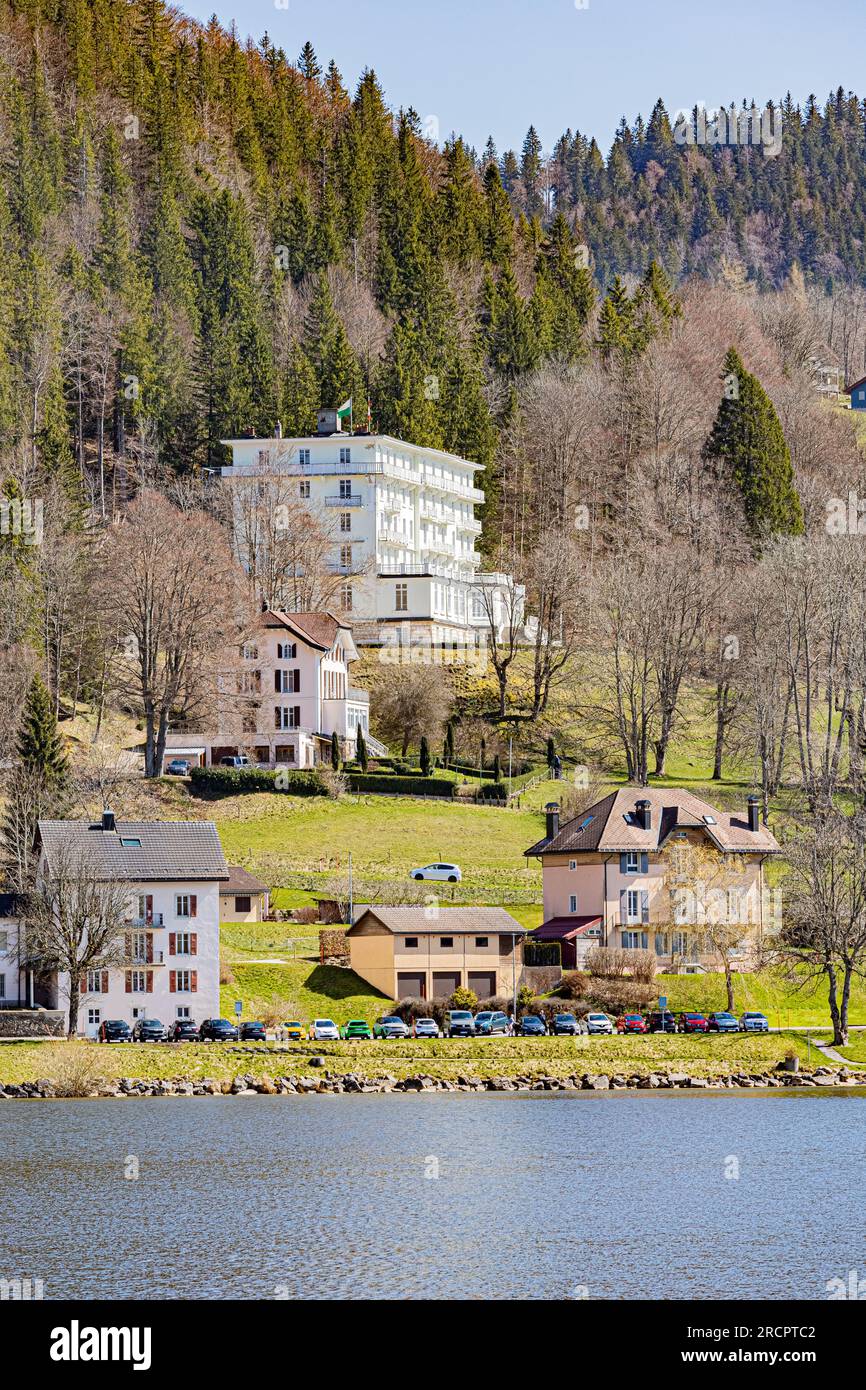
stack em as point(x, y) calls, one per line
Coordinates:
point(459, 1023)
point(148, 1030)
point(217, 1030)
point(754, 1023)
point(631, 1023)
point(178, 767)
point(565, 1025)
point(183, 1030)
point(324, 1030)
point(294, 1030)
point(722, 1023)
point(114, 1030)
point(391, 1026)
point(253, 1032)
point(490, 1021)
point(531, 1026)
point(241, 761)
point(357, 1029)
point(662, 1021)
point(446, 873)
point(598, 1023)
point(426, 1028)
point(693, 1023)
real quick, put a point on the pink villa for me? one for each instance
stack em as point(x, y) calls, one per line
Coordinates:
point(609, 880)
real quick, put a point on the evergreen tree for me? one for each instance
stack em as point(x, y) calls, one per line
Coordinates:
point(424, 757)
point(335, 752)
point(361, 749)
point(497, 768)
point(747, 445)
point(39, 747)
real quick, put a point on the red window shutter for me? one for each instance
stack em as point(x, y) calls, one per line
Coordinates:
point(171, 940)
point(193, 981)
point(83, 984)
point(193, 943)
point(149, 952)
point(105, 982)
point(128, 985)
point(172, 982)
point(127, 945)
point(148, 982)
point(193, 905)
point(148, 907)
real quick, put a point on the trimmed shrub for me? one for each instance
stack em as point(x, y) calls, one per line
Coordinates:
point(492, 791)
point(542, 952)
point(215, 782)
point(463, 998)
point(406, 785)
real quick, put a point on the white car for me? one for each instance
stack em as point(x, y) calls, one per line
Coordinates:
point(324, 1030)
point(598, 1023)
point(446, 873)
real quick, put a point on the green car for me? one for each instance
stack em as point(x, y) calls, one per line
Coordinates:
point(357, 1028)
point(390, 1027)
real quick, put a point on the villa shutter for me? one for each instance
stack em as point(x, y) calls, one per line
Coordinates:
point(172, 937)
point(193, 943)
point(105, 982)
point(83, 984)
point(149, 951)
point(644, 863)
point(148, 907)
point(172, 981)
point(278, 722)
point(278, 678)
point(622, 906)
point(148, 982)
point(297, 716)
point(128, 983)
point(193, 905)
point(622, 863)
point(644, 907)
point(193, 981)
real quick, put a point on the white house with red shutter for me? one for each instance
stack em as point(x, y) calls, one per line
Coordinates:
point(170, 944)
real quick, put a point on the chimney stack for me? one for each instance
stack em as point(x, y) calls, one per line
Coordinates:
point(753, 811)
point(108, 821)
point(551, 811)
point(643, 811)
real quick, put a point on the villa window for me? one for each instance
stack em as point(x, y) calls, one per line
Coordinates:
point(345, 455)
point(185, 905)
point(345, 486)
point(632, 905)
point(401, 598)
point(287, 682)
point(304, 487)
point(572, 864)
point(287, 717)
point(634, 940)
point(286, 651)
point(183, 981)
point(345, 521)
point(304, 457)
point(185, 943)
point(632, 862)
point(136, 981)
point(4, 942)
point(346, 598)
point(572, 903)
point(346, 557)
point(251, 651)
point(243, 902)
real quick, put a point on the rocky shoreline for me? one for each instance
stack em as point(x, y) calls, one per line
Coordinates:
point(352, 1083)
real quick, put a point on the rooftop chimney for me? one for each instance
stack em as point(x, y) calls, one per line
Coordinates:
point(108, 821)
point(753, 811)
point(643, 814)
point(551, 812)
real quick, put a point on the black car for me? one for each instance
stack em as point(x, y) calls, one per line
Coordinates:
point(114, 1030)
point(565, 1025)
point(253, 1032)
point(217, 1030)
point(183, 1030)
point(661, 1022)
point(148, 1030)
point(531, 1026)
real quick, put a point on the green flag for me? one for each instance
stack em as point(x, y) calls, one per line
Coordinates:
point(345, 410)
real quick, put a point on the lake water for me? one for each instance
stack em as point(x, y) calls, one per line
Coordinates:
point(541, 1196)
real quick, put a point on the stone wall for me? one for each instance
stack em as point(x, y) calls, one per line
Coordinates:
point(32, 1023)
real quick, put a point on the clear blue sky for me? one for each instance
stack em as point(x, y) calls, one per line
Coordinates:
point(494, 66)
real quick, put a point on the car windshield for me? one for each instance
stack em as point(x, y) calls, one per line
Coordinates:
point(392, 1018)
point(324, 1023)
point(461, 1013)
point(425, 1023)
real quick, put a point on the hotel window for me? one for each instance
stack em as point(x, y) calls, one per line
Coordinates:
point(481, 942)
point(303, 456)
point(345, 521)
point(185, 905)
point(411, 943)
point(287, 717)
point(634, 940)
point(572, 903)
point(632, 862)
point(185, 943)
point(304, 487)
point(139, 947)
point(345, 455)
point(183, 981)
point(137, 981)
point(446, 942)
point(346, 598)
point(401, 598)
point(345, 557)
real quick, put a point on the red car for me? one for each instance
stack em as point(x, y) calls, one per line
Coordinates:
point(694, 1023)
point(631, 1023)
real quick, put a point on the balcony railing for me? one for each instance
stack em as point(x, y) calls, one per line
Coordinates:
point(137, 962)
point(353, 500)
point(152, 919)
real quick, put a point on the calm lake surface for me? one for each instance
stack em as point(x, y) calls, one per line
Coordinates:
point(537, 1197)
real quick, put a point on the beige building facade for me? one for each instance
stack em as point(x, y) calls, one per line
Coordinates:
point(424, 953)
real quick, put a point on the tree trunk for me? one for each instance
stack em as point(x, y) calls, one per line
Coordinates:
point(729, 986)
point(74, 1002)
point(720, 732)
point(840, 1035)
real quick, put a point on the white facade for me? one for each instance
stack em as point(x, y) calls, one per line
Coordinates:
point(404, 531)
point(14, 981)
point(294, 692)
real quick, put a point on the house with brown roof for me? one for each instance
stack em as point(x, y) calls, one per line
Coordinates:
point(243, 897)
point(427, 952)
point(289, 690)
point(611, 877)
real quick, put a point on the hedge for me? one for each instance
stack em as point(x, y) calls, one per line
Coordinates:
point(405, 786)
point(492, 791)
point(235, 781)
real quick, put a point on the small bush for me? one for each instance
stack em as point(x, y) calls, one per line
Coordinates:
point(463, 998)
point(573, 984)
point(608, 962)
point(73, 1069)
point(410, 1009)
point(304, 915)
point(614, 996)
point(226, 973)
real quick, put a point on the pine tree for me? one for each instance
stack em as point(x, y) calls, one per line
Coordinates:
point(39, 747)
point(747, 444)
point(335, 752)
point(424, 757)
point(328, 350)
point(361, 749)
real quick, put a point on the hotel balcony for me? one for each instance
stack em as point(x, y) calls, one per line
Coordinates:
point(153, 919)
point(354, 500)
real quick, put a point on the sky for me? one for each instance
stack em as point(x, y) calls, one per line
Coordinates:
point(493, 67)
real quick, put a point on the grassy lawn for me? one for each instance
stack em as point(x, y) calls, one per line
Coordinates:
point(306, 989)
point(449, 1058)
point(766, 991)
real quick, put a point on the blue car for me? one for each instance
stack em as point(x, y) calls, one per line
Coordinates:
point(490, 1021)
point(723, 1023)
point(531, 1026)
point(754, 1023)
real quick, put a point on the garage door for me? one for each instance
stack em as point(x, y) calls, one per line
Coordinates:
point(411, 986)
point(445, 982)
point(483, 982)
